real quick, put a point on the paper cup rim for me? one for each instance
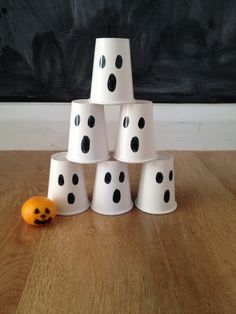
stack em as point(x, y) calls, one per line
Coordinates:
point(141, 102)
point(110, 103)
point(82, 101)
point(111, 162)
point(138, 161)
point(73, 212)
point(164, 156)
point(121, 212)
point(60, 156)
point(132, 101)
point(113, 38)
point(148, 211)
point(90, 161)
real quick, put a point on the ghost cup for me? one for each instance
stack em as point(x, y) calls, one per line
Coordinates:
point(135, 141)
point(112, 74)
point(87, 136)
point(67, 186)
point(111, 192)
point(156, 192)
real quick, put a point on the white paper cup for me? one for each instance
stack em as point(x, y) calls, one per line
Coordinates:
point(156, 193)
point(87, 137)
point(111, 192)
point(135, 141)
point(67, 186)
point(112, 74)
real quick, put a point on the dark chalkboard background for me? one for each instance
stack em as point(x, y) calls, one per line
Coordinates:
point(182, 50)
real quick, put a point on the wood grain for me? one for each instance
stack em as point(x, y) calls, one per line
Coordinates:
point(135, 263)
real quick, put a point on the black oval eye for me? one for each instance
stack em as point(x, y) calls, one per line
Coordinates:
point(75, 179)
point(122, 177)
point(167, 196)
point(70, 198)
point(61, 180)
point(159, 177)
point(119, 61)
point(107, 178)
point(171, 175)
point(141, 123)
point(47, 211)
point(77, 120)
point(102, 62)
point(36, 211)
point(91, 121)
point(126, 122)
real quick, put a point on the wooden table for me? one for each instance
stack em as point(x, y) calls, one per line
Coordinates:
point(184, 262)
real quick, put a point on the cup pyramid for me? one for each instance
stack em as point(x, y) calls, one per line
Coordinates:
point(112, 84)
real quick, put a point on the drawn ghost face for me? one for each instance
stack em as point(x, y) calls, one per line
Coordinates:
point(112, 75)
point(70, 197)
point(116, 195)
point(87, 140)
point(111, 190)
point(156, 193)
point(67, 186)
point(136, 141)
point(111, 79)
point(165, 180)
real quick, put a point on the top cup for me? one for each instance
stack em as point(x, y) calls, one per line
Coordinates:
point(112, 74)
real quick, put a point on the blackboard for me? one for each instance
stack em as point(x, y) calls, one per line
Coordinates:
point(182, 50)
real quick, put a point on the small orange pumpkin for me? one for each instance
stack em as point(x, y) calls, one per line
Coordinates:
point(38, 211)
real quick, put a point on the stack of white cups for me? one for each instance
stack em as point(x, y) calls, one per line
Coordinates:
point(112, 85)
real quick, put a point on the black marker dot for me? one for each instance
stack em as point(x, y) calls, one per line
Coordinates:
point(116, 196)
point(111, 83)
point(134, 144)
point(47, 211)
point(71, 198)
point(75, 179)
point(61, 180)
point(171, 175)
point(77, 120)
point(85, 144)
point(122, 177)
point(126, 122)
point(119, 61)
point(36, 211)
point(102, 62)
point(91, 121)
point(107, 178)
point(159, 177)
point(141, 123)
point(167, 196)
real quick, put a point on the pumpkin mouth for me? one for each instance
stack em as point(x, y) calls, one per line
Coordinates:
point(42, 222)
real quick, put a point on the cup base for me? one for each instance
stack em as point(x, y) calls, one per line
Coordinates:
point(72, 213)
point(88, 161)
point(157, 211)
point(104, 213)
point(134, 161)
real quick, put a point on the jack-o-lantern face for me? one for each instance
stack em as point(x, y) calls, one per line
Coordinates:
point(38, 211)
